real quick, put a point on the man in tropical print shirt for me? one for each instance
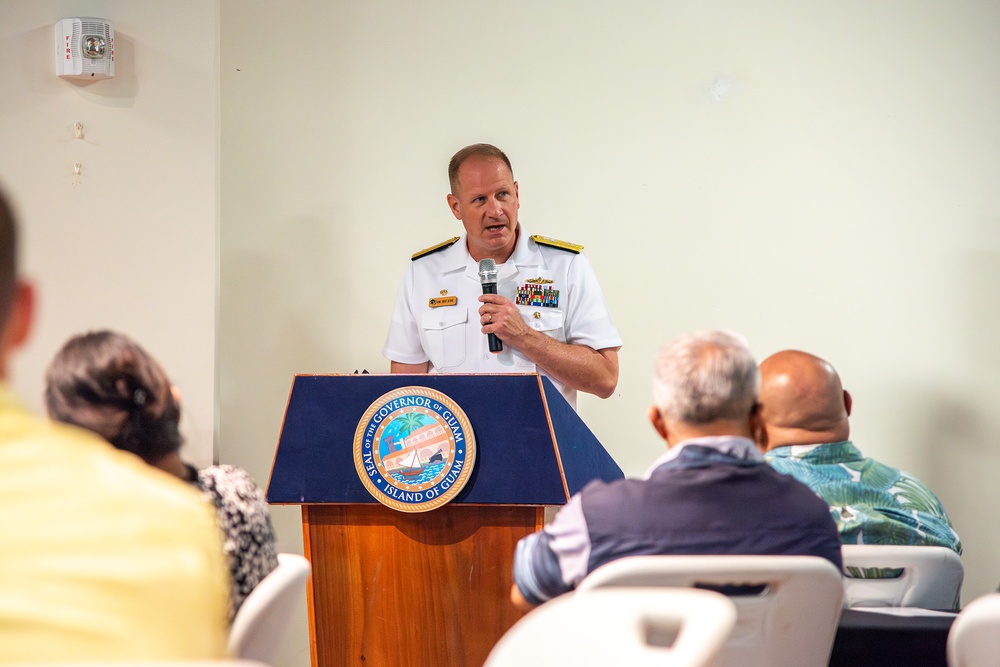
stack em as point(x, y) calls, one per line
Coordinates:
point(805, 412)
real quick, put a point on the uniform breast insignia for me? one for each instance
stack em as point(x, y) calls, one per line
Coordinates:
point(556, 243)
point(537, 292)
point(434, 248)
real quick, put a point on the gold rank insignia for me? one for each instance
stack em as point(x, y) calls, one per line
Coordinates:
point(556, 243)
point(434, 248)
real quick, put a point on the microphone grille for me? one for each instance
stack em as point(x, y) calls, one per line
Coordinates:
point(487, 264)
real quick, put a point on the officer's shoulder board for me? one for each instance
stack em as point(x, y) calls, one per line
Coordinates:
point(556, 243)
point(434, 248)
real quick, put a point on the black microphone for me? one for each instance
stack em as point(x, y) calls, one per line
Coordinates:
point(488, 279)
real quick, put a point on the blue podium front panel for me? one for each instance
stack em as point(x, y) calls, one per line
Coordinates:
point(516, 461)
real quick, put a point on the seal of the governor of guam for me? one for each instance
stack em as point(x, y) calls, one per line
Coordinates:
point(414, 449)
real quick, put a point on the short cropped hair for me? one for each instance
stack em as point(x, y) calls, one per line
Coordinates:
point(487, 151)
point(8, 257)
point(705, 376)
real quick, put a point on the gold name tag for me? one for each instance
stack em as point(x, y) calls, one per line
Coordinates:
point(443, 301)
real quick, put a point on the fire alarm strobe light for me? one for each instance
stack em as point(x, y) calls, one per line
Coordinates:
point(85, 48)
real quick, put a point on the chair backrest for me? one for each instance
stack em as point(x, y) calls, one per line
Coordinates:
point(665, 627)
point(930, 577)
point(787, 606)
point(263, 618)
point(974, 638)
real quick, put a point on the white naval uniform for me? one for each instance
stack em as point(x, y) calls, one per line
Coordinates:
point(451, 337)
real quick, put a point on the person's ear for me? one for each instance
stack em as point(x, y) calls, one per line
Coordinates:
point(848, 402)
point(455, 206)
point(22, 314)
point(757, 427)
point(176, 394)
point(656, 419)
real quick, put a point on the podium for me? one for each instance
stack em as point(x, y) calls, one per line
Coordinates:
point(430, 588)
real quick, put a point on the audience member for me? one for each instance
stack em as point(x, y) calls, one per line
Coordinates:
point(806, 415)
point(103, 559)
point(710, 493)
point(106, 383)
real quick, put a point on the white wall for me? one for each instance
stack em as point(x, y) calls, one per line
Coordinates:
point(131, 246)
point(814, 175)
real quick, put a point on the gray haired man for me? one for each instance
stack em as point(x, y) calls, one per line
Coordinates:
point(711, 492)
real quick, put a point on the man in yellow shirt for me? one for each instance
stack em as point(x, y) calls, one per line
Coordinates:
point(102, 557)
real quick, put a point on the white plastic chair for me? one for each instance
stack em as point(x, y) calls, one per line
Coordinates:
point(667, 628)
point(263, 618)
point(974, 638)
point(790, 620)
point(931, 576)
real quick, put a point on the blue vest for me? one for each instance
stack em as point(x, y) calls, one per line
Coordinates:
point(707, 502)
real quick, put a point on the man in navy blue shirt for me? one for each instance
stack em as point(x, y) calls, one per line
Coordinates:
point(710, 493)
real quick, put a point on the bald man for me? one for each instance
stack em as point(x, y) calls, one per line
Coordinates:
point(806, 419)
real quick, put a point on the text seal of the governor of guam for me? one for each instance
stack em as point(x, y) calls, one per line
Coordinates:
point(414, 449)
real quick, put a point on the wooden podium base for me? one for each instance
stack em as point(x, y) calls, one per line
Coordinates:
point(391, 588)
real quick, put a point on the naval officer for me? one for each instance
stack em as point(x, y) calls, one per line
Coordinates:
point(549, 311)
